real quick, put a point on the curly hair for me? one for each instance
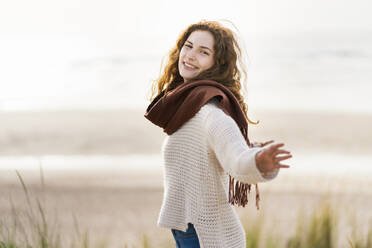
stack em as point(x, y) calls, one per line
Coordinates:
point(228, 67)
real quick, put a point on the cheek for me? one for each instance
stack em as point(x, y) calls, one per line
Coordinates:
point(182, 53)
point(180, 58)
point(209, 62)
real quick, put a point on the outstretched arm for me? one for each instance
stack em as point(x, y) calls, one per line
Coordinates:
point(233, 153)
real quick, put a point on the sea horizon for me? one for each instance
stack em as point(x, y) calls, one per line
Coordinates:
point(311, 71)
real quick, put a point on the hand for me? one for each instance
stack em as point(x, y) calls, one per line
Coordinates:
point(268, 160)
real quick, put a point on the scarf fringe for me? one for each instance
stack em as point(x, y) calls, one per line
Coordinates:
point(238, 193)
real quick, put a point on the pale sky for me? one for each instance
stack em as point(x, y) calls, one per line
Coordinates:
point(154, 25)
point(42, 37)
point(94, 17)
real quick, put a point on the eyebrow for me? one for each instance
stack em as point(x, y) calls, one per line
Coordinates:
point(200, 46)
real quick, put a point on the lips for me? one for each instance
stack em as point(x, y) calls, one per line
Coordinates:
point(189, 66)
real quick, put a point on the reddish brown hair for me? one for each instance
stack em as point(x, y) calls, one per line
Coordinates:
point(227, 59)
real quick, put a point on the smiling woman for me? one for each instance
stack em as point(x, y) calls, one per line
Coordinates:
point(216, 55)
point(209, 162)
point(196, 55)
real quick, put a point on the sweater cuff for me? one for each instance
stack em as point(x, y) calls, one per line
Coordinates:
point(270, 175)
point(246, 169)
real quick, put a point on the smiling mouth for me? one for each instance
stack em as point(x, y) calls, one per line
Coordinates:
point(189, 66)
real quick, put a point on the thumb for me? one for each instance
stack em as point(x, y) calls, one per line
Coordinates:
point(267, 142)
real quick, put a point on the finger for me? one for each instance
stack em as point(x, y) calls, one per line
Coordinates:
point(281, 158)
point(280, 166)
point(267, 142)
point(274, 147)
point(279, 151)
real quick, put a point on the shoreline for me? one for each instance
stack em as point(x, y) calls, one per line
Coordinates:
point(127, 132)
point(303, 176)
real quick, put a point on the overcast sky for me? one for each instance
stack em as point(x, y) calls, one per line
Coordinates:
point(44, 38)
point(93, 17)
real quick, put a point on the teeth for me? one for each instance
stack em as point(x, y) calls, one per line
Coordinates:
point(191, 66)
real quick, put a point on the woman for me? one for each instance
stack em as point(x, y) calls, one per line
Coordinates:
point(199, 105)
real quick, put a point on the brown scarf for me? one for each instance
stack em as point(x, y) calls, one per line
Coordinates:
point(171, 110)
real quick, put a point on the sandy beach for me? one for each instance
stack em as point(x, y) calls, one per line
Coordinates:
point(122, 213)
point(120, 205)
point(127, 131)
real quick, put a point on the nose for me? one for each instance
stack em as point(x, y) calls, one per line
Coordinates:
point(190, 54)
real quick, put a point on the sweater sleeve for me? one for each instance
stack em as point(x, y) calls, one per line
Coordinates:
point(231, 150)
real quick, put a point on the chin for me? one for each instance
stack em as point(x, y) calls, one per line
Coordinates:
point(187, 77)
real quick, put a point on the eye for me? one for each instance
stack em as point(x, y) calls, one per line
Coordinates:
point(204, 52)
point(188, 45)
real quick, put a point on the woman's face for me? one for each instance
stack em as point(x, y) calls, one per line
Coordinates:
point(196, 55)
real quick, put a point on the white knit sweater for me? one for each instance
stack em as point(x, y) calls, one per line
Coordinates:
point(197, 160)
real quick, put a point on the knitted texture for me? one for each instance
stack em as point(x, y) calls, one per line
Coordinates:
point(197, 160)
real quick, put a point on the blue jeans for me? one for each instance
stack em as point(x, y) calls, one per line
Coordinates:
point(188, 239)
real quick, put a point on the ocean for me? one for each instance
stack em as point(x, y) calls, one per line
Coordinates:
point(319, 71)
